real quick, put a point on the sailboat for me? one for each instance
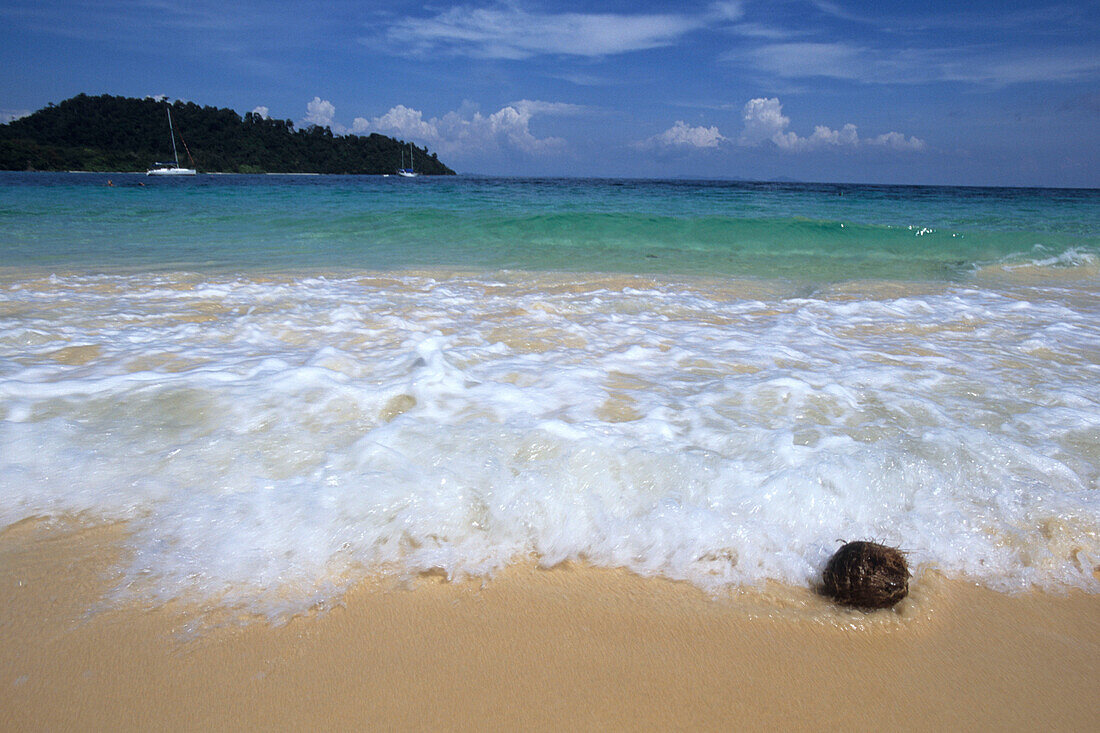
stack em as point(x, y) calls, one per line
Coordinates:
point(407, 172)
point(172, 168)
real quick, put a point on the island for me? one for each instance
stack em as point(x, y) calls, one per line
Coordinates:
point(124, 134)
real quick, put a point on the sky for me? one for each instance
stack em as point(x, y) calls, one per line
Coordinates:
point(980, 93)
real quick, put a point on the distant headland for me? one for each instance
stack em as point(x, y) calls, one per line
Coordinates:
point(107, 133)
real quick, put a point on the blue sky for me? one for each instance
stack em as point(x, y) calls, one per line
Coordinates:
point(826, 90)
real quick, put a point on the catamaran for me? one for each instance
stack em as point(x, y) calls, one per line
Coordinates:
point(407, 172)
point(172, 168)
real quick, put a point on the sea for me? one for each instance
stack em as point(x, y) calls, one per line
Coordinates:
point(282, 386)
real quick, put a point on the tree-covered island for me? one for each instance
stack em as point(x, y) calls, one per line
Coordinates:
point(107, 133)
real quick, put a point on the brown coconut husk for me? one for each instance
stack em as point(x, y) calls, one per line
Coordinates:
point(866, 575)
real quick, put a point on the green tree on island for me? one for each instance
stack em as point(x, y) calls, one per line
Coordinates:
point(108, 133)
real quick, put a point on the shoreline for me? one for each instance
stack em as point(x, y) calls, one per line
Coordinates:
point(536, 648)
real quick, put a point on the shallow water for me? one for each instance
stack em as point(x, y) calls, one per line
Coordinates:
point(808, 233)
point(285, 385)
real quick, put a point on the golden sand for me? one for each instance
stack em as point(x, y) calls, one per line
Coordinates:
point(561, 649)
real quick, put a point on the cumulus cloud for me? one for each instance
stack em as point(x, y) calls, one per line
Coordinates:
point(262, 111)
point(508, 31)
point(400, 120)
point(320, 112)
point(468, 131)
point(682, 135)
point(896, 141)
point(764, 122)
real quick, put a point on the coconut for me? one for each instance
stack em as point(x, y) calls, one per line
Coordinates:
point(866, 575)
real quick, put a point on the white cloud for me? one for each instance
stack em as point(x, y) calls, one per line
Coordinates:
point(682, 135)
point(587, 80)
point(467, 131)
point(763, 120)
point(801, 60)
point(10, 115)
point(969, 65)
point(262, 111)
point(760, 30)
point(728, 10)
point(830, 8)
point(535, 106)
point(400, 120)
point(846, 135)
point(320, 112)
point(896, 141)
point(1061, 65)
point(508, 31)
point(765, 123)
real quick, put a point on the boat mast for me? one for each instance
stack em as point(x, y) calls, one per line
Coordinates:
point(172, 134)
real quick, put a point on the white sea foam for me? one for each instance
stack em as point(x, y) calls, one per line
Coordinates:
point(271, 442)
point(1043, 257)
point(1045, 264)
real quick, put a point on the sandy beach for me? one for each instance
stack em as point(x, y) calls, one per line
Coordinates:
point(567, 647)
point(544, 454)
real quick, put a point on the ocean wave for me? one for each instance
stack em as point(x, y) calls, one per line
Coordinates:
point(1044, 263)
point(271, 441)
point(1042, 256)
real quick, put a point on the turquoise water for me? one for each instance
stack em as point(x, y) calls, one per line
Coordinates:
point(293, 224)
point(285, 385)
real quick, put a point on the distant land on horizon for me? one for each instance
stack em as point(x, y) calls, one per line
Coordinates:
point(121, 134)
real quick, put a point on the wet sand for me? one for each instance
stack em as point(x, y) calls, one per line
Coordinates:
point(565, 648)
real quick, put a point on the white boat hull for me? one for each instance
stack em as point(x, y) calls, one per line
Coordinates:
point(170, 172)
